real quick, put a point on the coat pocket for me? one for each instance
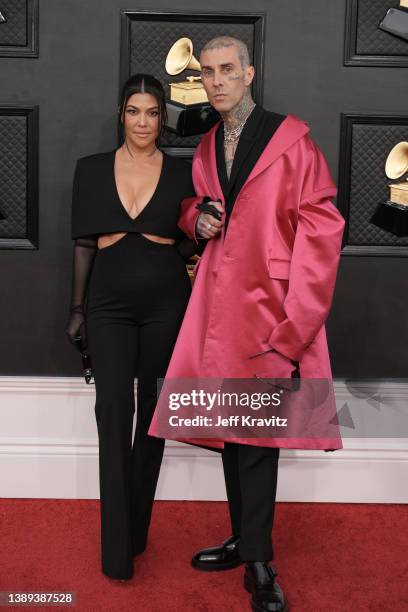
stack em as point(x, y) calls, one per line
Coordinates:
point(279, 268)
point(273, 365)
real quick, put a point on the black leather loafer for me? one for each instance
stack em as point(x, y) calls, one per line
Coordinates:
point(267, 595)
point(218, 558)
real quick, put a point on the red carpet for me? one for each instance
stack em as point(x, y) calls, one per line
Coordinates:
point(330, 557)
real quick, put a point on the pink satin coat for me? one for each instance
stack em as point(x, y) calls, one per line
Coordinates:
point(270, 282)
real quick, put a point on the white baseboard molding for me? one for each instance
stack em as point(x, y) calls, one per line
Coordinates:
point(49, 449)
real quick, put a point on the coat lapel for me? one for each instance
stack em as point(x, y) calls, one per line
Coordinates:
point(289, 131)
point(220, 159)
point(244, 147)
point(210, 163)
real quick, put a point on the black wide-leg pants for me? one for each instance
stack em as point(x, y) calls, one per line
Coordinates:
point(137, 297)
point(251, 474)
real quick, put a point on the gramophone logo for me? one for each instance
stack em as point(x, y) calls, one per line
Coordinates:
point(189, 111)
point(393, 214)
point(180, 58)
point(396, 168)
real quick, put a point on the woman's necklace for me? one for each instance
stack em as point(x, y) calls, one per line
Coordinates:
point(133, 157)
point(128, 150)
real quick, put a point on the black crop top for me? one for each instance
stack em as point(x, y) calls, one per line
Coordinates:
point(97, 208)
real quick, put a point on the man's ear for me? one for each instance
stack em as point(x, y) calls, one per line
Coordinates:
point(249, 75)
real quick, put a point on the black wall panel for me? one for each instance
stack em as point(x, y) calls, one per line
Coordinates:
point(363, 184)
point(75, 82)
point(18, 177)
point(19, 28)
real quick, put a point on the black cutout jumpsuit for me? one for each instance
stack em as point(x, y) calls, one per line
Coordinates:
point(137, 295)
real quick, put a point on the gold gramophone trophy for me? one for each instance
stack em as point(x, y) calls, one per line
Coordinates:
point(396, 168)
point(189, 111)
point(393, 214)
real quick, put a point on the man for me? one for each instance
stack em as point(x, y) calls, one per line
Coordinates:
point(263, 288)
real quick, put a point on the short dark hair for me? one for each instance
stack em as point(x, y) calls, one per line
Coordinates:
point(144, 83)
point(228, 41)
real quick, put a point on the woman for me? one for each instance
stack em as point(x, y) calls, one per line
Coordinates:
point(127, 244)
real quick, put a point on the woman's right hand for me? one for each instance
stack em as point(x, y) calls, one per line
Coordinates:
point(76, 331)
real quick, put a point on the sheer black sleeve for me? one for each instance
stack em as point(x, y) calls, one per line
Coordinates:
point(84, 254)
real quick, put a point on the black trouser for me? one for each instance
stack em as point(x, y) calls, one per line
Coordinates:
point(250, 477)
point(136, 301)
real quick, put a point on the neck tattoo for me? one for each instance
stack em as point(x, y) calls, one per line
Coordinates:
point(234, 122)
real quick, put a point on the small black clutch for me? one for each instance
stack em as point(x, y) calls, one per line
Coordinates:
point(86, 362)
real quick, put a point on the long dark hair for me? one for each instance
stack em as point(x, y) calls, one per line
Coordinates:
point(143, 83)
